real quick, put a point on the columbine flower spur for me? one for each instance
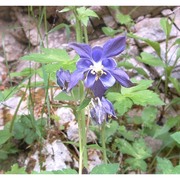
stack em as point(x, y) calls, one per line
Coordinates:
point(101, 110)
point(97, 66)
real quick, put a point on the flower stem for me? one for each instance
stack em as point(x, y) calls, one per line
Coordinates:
point(85, 34)
point(103, 141)
point(79, 36)
point(83, 160)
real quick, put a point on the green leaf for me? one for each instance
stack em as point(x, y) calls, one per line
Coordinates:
point(170, 123)
point(62, 96)
point(105, 169)
point(164, 165)
point(145, 97)
point(5, 135)
point(125, 147)
point(3, 154)
point(62, 25)
point(123, 105)
point(136, 164)
point(176, 170)
point(166, 26)
point(109, 31)
point(142, 151)
point(85, 20)
point(48, 56)
point(142, 85)
point(110, 130)
point(127, 134)
point(138, 150)
point(149, 115)
point(24, 72)
point(176, 137)
point(84, 14)
point(124, 19)
point(150, 59)
point(82, 11)
point(16, 170)
point(8, 93)
point(85, 103)
point(175, 83)
point(177, 41)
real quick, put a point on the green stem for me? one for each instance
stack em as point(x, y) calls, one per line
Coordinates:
point(15, 114)
point(166, 70)
point(85, 34)
point(103, 127)
point(78, 27)
point(83, 160)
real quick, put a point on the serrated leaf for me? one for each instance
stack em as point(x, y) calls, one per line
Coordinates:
point(176, 137)
point(145, 97)
point(105, 169)
point(138, 149)
point(124, 19)
point(123, 105)
point(114, 96)
point(142, 151)
point(125, 147)
point(164, 165)
point(137, 164)
point(82, 11)
point(48, 56)
point(150, 59)
point(84, 14)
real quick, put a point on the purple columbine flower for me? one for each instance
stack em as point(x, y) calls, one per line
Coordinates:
point(98, 67)
point(101, 110)
point(63, 79)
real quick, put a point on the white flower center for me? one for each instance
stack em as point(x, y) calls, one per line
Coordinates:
point(97, 68)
